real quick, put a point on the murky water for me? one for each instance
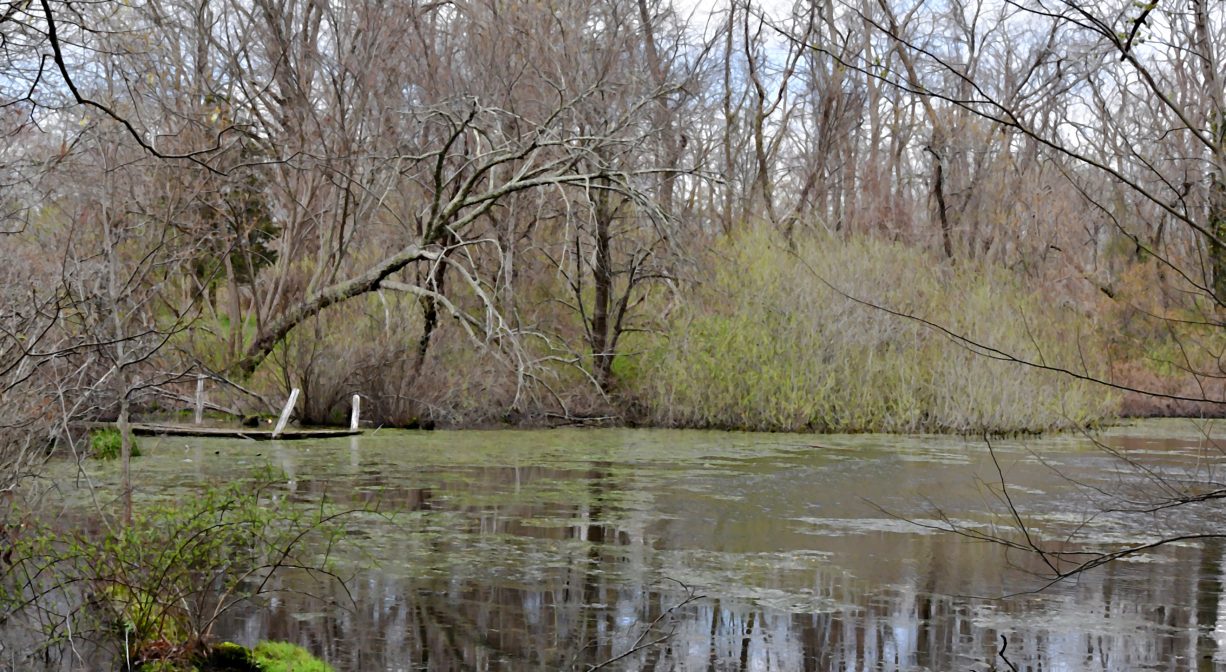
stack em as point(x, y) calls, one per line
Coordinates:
point(560, 549)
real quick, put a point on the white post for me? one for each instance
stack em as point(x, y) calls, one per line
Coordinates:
point(355, 414)
point(289, 407)
point(200, 399)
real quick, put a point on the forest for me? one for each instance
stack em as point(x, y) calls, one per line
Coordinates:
point(815, 217)
point(992, 218)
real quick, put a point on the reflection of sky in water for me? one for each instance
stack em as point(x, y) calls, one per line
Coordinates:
point(546, 550)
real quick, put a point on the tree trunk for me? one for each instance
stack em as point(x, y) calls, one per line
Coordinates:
point(366, 282)
point(729, 124)
point(1217, 225)
point(938, 195)
point(236, 311)
point(602, 276)
point(664, 115)
point(125, 451)
point(436, 281)
point(1211, 74)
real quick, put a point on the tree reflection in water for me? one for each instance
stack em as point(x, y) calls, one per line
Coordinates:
point(582, 617)
point(554, 550)
point(550, 582)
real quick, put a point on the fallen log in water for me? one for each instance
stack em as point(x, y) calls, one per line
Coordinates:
point(154, 429)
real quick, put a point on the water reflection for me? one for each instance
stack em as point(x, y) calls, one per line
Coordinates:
point(584, 616)
point(560, 550)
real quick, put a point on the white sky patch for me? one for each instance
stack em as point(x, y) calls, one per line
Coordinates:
point(708, 15)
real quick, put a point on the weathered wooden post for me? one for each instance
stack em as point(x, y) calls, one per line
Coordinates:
point(200, 399)
point(289, 407)
point(355, 415)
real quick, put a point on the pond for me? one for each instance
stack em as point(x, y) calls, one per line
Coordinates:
point(559, 549)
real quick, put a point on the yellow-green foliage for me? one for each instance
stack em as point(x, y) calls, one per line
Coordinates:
point(1168, 331)
point(142, 615)
point(763, 343)
point(156, 584)
point(286, 657)
point(230, 657)
point(107, 444)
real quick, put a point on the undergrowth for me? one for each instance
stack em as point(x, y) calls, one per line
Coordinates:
point(764, 343)
point(107, 444)
point(148, 592)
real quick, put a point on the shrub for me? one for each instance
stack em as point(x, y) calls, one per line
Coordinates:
point(107, 444)
point(763, 343)
point(370, 346)
point(150, 591)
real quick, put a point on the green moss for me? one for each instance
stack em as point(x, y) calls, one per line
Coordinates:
point(229, 657)
point(286, 657)
point(107, 443)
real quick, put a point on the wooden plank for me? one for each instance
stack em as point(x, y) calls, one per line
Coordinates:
point(289, 408)
point(200, 400)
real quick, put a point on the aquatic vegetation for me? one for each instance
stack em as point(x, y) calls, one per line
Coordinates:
point(578, 536)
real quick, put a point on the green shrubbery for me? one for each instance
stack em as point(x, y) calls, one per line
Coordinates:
point(107, 444)
point(150, 590)
point(763, 343)
point(753, 340)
